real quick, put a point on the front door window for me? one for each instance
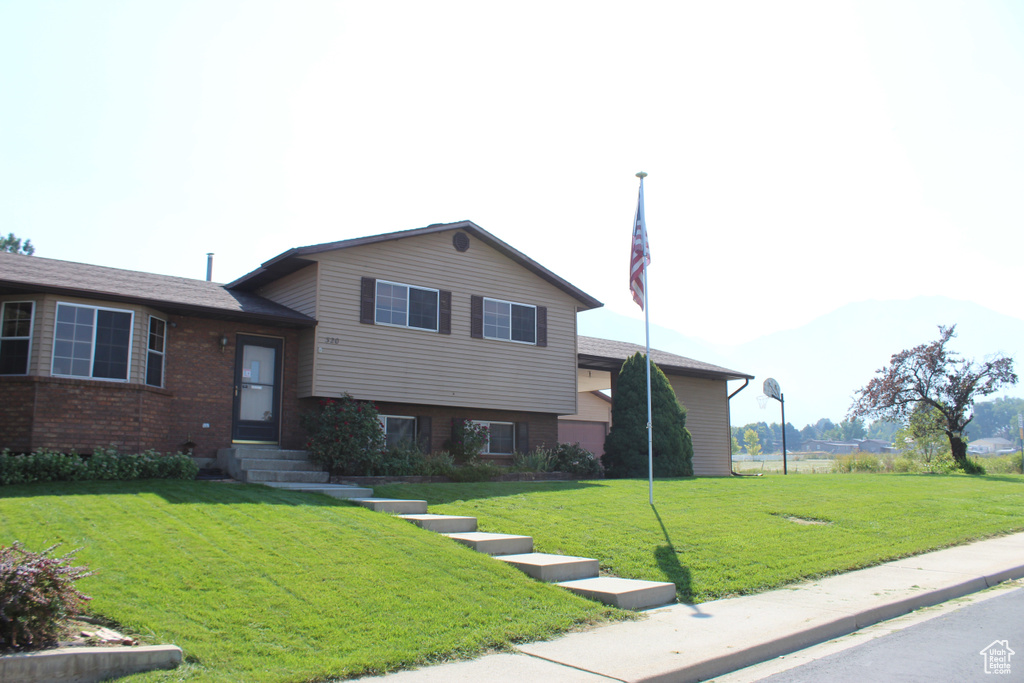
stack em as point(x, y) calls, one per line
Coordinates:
point(257, 389)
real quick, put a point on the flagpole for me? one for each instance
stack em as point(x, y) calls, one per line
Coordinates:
point(647, 333)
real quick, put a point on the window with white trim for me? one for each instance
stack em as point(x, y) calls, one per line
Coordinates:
point(93, 342)
point(501, 437)
point(15, 336)
point(155, 352)
point(510, 321)
point(406, 306)
point(398, 429)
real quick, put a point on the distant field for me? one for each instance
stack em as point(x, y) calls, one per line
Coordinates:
point(801, 465)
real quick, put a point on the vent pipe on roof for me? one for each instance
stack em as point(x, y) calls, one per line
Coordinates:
point(209, 266)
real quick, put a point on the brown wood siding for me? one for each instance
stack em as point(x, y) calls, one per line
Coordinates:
point(298, 291)
point(707, 418)
point(387, 363)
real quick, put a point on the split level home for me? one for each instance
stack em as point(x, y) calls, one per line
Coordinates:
point(436, 325)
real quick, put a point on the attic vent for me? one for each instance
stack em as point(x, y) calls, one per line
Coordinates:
point(461, 241)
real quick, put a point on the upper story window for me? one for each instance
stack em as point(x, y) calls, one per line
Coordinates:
point(15, 336)
point(393, 303)
point(509, 321)
point(155, 352)
point(406, 305)
point(92, 342)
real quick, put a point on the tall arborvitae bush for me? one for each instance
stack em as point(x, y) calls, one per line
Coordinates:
point(625, 447)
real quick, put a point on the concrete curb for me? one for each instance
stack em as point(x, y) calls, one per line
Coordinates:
point(86, 664)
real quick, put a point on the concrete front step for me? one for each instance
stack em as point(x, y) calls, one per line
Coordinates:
point(554, 568)
point(624, 593)
point(279, 464)
point(445, 524)
point(494, 544)
point(396, 505)
point(264, 476)
point(267, 453)
point(334, 490)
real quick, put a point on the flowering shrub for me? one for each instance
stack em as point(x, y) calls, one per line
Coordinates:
point(37, 594)
point(467, 441)
point(105, 463)
point(574, 458)
point(346, 436)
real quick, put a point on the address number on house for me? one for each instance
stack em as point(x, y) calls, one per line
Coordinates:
point(332, 340)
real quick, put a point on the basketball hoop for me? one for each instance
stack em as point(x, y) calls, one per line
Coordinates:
point(762, 401)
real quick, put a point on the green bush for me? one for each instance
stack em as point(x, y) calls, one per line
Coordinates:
point(37, 595)
point(537, 460)
point(575, 459)
point(1003, 464)
point(105, 463)
point(437, 464)
point(467, 441)
point(475, 470)
point(625, 448)
point(346, 436)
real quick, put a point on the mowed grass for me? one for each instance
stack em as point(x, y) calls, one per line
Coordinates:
point(259, 584)
point(720, 537)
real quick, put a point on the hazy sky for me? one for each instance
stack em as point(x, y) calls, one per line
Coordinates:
point(802, 155)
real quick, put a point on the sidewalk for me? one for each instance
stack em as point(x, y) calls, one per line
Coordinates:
point(697, 642)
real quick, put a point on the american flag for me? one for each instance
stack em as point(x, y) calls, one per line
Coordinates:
point(640, 257)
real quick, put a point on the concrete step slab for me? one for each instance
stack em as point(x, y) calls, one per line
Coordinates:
point(279, 464)
point(624, 593)
point(264, 476)
point(553, 568)
point(445, 524)
point(396, 505)
point(250, 453)
point(334, 490)
point(494, 544)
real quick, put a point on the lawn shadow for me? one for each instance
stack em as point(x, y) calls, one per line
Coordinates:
point(442, 493)
point(174, 491)
point(667, 558)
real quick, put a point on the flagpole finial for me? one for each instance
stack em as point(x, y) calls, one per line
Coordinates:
point(641, 175)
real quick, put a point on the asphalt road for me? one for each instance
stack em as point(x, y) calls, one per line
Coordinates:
point(943, 649)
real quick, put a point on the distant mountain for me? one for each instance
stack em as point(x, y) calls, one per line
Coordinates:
point(822, 364)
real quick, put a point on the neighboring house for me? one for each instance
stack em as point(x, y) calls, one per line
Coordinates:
point(437, 326)
point(989, 446)
point(701, 387)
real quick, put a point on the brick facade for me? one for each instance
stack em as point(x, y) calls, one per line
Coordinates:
point(82, 415)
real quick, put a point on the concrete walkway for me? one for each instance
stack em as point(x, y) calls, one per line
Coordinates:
point(698, 642)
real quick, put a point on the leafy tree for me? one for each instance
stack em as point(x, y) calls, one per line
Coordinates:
point(996, 418)
point(753, 443)
point(735, 445)
point(883, 430)
point(923, 435)
point(625, 447)
point(14, 245)
point(932, 375)
point(847, 430)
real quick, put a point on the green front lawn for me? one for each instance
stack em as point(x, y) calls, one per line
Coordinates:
point(260, 584)
point(719, 537)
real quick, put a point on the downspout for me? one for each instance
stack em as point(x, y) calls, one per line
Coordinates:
point(734, 472)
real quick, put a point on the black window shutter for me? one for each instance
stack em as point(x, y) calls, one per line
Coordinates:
point(423, 433)
point(444, 325)
point(542, 326)
point(476, 317)
point(522, 437)
point(368, 301)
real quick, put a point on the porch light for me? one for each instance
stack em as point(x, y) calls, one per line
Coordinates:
point(223, 342)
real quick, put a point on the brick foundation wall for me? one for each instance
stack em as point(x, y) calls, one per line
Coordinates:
point(17, 396)
point(542, 427)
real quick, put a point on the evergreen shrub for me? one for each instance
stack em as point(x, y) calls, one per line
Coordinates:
point(625, 447)
point(346, 437)
point(105, 463)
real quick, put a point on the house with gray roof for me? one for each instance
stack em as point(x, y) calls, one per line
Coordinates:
point(437, 325)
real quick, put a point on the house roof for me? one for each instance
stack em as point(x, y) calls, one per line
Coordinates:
point(27, 274)
point(293, 259)
point(606, 354)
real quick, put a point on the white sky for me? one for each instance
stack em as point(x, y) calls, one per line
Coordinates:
point(802, 155)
